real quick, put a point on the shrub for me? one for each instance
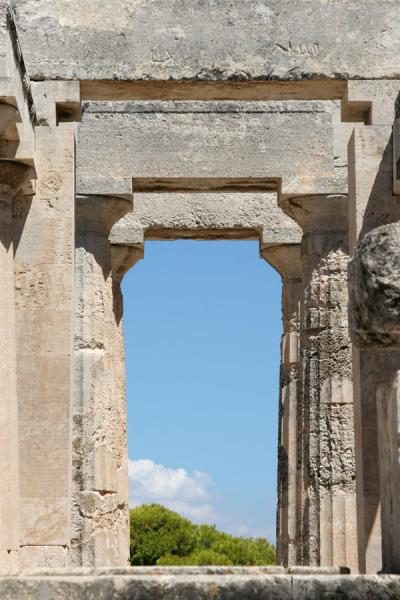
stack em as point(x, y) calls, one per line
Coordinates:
point(161, 536)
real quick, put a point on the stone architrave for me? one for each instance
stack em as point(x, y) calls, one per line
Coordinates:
point(328, 529)
point(210, 41)
point(207, 146)
point(286, 259)
point(99, 448)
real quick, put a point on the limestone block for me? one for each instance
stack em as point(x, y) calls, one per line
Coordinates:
point(54, 99)
point(181, 40)
point(45, 521)
point(375, 289)
point(219, 145)
point(337, 390)
point(44, 557)
point(206, 215)
point(128, 585)
point(290, 348)
point(10, 562)
point(374, 100)
point(371, 199)
point(105, 469)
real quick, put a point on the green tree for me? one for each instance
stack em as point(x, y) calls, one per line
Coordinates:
point(161, 536)
point(156, 531)
point(201, 558)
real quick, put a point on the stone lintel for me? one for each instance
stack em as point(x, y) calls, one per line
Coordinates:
point(220, 146)
point(202, 215)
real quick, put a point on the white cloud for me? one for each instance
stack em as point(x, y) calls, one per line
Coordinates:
point(186, 493)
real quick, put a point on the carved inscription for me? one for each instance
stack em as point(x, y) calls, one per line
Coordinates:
point(296, 49)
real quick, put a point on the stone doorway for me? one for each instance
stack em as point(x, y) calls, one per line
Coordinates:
point(202, 325)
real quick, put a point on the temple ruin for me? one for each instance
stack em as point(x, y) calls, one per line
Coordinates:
point(135, 120)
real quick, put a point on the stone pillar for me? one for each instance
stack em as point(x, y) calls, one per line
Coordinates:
point(328, 524)
point(9, 484)
point(371, 204)
point(44, 257)
point(100, 527)
point(388, 410)
point(12, 177)
point(375, 318)
point(286, 260)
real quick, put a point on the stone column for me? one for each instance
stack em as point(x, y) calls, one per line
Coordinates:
point(12, 177)
point(9, 484)
point(375, 317)
point(286, 260)
point(328, 522)
point(388, 405)
point(100, 494)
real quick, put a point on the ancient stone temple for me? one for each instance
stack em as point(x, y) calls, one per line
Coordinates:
point(131, 120)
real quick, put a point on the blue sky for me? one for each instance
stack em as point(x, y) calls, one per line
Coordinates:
point(202, 331)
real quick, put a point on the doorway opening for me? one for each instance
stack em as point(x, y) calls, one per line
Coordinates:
point(202, 326)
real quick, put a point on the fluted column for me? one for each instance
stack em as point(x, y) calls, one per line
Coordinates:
point(286, 260)
point(100, 492)
point(328, 522)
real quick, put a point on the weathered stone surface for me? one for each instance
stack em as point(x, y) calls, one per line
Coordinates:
point(209, 40)
point(164, 586)
point(206, 215)
point(287, 260)
point(371, 199)
point(100, 532)
point(371, 204)
point(375, 288)
point(388, 408)
point(44, 234)
point(207, 145)
point(9, 455)
point(326, 512)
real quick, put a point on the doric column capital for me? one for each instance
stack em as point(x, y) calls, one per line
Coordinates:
point(123, 258)
point(317, 213)
point(323, 219)
point(286, 259)
point(100, 213)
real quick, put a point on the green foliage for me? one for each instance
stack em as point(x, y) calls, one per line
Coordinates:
point(161, 536)
point(156, 531)
point(200, 558)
